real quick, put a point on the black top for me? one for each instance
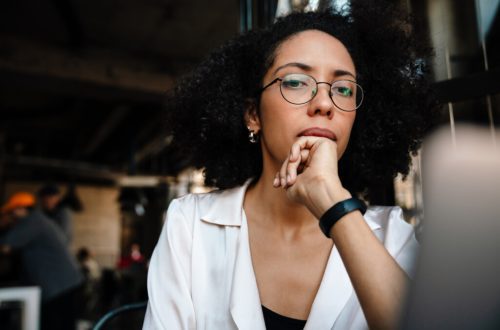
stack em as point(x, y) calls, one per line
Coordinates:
point(275, 321)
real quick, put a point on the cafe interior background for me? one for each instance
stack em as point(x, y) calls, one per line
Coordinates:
point(81, 104)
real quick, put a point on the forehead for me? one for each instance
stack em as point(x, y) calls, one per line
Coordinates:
point(314, 48)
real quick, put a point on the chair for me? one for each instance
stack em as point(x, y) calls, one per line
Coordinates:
point(103, 321)
point(27, 301)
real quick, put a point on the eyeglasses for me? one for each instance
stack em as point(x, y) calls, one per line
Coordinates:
point(300, 88)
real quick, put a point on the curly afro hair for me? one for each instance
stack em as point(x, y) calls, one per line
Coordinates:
point(206, 109)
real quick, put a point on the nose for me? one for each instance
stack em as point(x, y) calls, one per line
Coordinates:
point(322, 103)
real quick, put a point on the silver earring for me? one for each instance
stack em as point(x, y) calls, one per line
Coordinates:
point(252, 136)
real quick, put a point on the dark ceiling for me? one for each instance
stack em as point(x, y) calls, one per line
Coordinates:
point(82, 82)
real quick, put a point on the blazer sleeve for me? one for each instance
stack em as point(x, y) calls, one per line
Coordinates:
point(169, 277)
point(401, 242)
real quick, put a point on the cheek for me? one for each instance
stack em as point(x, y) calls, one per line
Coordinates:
point(277, 132)
point(346, 128)
point(278, 127)
point(271, 117)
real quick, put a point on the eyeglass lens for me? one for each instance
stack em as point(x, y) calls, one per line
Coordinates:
point(300, 88)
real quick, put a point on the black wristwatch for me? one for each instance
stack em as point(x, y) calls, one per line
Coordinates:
point(337, 211)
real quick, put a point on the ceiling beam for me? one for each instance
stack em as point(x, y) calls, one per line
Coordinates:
point(105, 130)
point(57, 70)
point(153, 147)
point(63, 166)
point(80, 171)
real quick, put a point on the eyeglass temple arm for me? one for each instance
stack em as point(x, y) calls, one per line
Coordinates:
point(272, 82)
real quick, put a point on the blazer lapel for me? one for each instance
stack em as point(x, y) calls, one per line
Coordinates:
point(245, 305)
point(334, 292)
point(335, 288)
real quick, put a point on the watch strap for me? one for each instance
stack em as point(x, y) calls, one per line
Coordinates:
point(337, 211)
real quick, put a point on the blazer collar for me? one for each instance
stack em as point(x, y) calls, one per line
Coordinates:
point(227, 210)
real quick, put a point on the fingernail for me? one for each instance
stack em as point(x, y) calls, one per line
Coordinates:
point(288, 179)
point(283, 182)
point(276, 182)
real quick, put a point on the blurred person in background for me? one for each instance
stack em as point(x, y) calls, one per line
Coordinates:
point(88, 264)
point(132, 268)
point(50, 198)
point(90, 290)
point(46, 260)
point(133, 258)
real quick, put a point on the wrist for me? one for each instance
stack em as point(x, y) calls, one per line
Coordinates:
point(326, 195)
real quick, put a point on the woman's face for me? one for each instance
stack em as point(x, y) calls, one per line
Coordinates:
point(279, 122)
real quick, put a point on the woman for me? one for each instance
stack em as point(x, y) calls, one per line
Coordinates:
point(278, 120)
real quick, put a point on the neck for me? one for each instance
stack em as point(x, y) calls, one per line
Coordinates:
point(271, 207)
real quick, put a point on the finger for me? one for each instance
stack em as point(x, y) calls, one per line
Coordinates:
point(301, 143)
point(294, 159)
point(315, 144)
point(296, 167)
point(295, 152)
point(307, 142)
point(297, 159)
point(276, 182)
point(283, 174)
point(291, 171)
point(304, 155)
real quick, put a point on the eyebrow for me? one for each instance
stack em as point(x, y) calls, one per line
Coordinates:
point(302, 66)
point(308, 68)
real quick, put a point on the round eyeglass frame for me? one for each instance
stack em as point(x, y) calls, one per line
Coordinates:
point(358, 88)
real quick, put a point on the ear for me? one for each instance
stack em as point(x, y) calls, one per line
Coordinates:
point(252, 120)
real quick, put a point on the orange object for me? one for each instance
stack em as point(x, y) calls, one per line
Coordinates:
point(20, 199)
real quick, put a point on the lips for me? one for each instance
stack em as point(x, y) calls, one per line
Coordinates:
point(319, 132)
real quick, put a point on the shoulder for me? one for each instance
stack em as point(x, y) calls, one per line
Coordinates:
point(392, 229)
point(32, 221)
point(206, 199)
point(26, 229)
point(64, 212)
point(182, 211)
point(214, 206)
point(219, 207)
point(195, 200)
point(38, 219)
point(396, 234)
point(199, 203)
point(388, 218)
point(188, 220)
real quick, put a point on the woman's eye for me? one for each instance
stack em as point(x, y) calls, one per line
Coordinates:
point(343, 91)
point(294, 84)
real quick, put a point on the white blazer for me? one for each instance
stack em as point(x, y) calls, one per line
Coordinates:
point(201, 274)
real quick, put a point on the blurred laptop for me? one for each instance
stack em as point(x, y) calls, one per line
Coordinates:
point(457, 284)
